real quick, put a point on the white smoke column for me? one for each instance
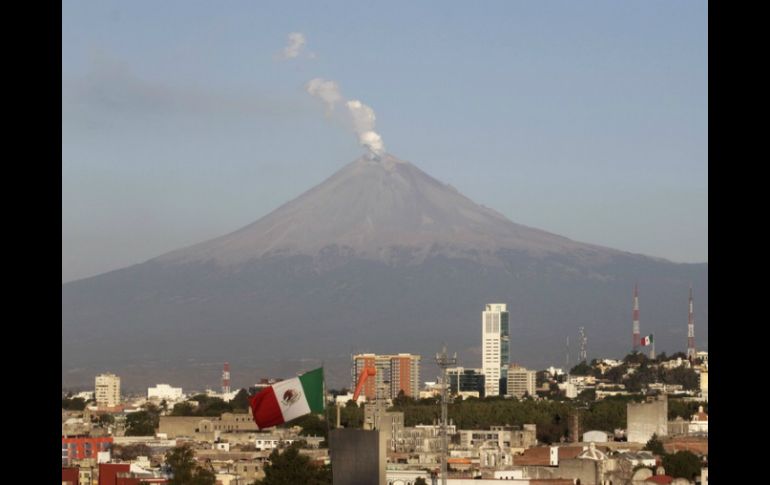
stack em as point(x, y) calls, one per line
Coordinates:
point(363, 123)
point(296, 41)
point(328, 91)
point(361, 116)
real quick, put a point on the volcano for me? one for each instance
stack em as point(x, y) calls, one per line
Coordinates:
point(379, 257)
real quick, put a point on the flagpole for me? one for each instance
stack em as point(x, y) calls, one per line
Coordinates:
point(326, 408)
point(326, 414)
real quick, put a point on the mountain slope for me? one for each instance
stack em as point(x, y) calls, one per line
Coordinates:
point(370, 207)
point(379, 257)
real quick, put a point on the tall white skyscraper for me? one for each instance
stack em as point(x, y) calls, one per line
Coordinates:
point(494, 346)
point(107, 390)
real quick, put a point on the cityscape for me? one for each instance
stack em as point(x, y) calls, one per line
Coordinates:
point(413, 243)
point(615, 421)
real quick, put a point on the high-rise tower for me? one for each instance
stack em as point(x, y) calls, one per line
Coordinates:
point(636, 335)
point(401, 371)
point(691, 331)
point(107, 390)
point(494, 346)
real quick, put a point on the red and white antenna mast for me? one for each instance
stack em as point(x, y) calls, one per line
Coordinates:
point(691, 331)
point(226, 379)
point(636, 335)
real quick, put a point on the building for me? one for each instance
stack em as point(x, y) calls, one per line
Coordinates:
point(430, 390)
point(205, 427)
point(70, 475)
point(699, 424)
point(570, 389)
point(402, 371)
point(405, 375)
point(83, 447)
point(520, 382)
point(358, 456)
point(704, 385)
point(647, 418)
point(503, 437)
point(462, 380)
point(108, 472)
point(107, 390)
point(164, 391)
point(269, 441)
point(494, 346)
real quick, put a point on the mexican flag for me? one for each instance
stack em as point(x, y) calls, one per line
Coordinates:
point(289, 399)
point(647, 340)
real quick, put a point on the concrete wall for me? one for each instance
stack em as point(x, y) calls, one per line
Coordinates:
point(586, 470)
point(174, 426)
point(646, 419)
point(595, 437)
point(358, 456)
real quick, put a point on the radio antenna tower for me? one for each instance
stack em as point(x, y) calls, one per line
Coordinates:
point(444, 361)
point(635, 330)
point(583, 341)
point(226, 378)
point(691, 331)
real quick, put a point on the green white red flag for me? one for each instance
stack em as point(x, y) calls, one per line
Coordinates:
point(647, 340)
point(289, 399)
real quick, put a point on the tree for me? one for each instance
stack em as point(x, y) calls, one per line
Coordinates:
point(215, 406)
point(106, 419)
point(130, 452)
point(684, 409)
point(682, 464)
point(606, 415)
point(402, 399)
point(635, 358)
point(185, 470)
point(656, 446)
point(351, 416)
point(311, 425)
point(76, 404)
point(582, 369)
point(587, 395)
point(142, 423)
point(290, 468)
point(183, 409)
point(616, 374)
point(687, 378)
point(241, 401)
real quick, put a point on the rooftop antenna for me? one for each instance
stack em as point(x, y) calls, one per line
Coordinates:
point(444, 361)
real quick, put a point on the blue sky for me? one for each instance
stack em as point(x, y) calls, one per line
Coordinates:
point(181, 122)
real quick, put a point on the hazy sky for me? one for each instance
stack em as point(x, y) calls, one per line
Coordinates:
point(185, 120)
